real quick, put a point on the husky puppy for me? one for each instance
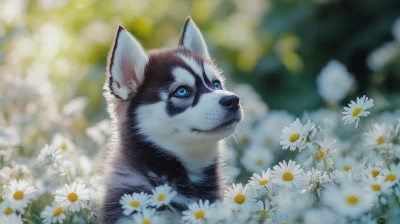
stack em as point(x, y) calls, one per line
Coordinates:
point(170, 111)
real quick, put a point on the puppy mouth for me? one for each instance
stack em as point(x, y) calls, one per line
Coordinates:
point(218, 128)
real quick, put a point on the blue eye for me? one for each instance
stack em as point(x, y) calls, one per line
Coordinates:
point(217, 84)
point(181, 92)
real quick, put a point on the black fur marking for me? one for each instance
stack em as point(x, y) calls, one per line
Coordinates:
point(184, 31)
point(111, 61)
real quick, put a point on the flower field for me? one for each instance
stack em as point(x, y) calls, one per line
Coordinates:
point(337, 161)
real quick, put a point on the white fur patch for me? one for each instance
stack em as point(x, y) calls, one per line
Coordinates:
point(183, 76)
point(192, 63)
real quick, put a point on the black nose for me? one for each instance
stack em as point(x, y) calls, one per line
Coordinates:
point(230, 102)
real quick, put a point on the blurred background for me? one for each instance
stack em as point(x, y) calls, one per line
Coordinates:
point(278, 48)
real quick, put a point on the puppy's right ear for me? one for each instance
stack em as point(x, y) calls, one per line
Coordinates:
point(126, 65)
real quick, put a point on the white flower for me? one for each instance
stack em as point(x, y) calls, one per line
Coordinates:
point(74, 196)
point(317, 178)
point(256, 159)
point(324, 154)
point(334, 82)
point(383, 55)
point(18, 193)
point(52, 214)
point(349, 199)
point(348, 165)
point(197, 213)
point(5, 208)
point(288, 174)
point(146, 216)
point(261, 181)
point(267, 131)
point(62, 143)
point(392, 174)
point(8, 219)
point(162, 195)
point(295, 136)
point(134, 202)
point(49, 156)
point(376, 185)
point(238, 197)
point(356, 110)
point(264, 208)
point(380, 136)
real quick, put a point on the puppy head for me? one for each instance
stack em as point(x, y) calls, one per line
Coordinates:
point(177, 97)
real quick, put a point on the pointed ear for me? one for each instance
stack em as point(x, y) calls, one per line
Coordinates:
point(192, 39)
point(126, 65)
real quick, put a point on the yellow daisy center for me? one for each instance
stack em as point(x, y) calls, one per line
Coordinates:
point(356, 111)
point(199, 214)
point(376, 187)
point(347, 168)
point(161, 197)
point(263, 182)
point(287, 176)
point(380, 140)
point(146, 221)
point(240, 198)
point(391, 177)
point(260, 162)
point(72, 197)
point(63, 147)
point(320, 154)
point(8, 211)
point(294, 137)
point(284, 223)
point(351, 199)
point(375, 173)
point(57, 211)
point(263, 212)
point(18, 195)
point(245, 141)
point(135, 204)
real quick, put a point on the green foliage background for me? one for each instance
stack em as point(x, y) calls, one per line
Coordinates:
point(279, 47)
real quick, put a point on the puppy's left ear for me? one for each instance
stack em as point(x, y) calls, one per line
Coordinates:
point(192, 39)
point(126, 65)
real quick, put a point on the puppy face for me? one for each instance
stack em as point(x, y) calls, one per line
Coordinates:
point(177, 97)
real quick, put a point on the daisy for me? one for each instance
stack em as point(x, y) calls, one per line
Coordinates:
point(323, 156)
point(256, 159)
point(347, 164)
point(134, 202)
point(18, 193)
point(373, 171)
point(197, 213)
point(5, 208)
point(13, 218)
point(146, 216)
point(376, 185)
point(349, 199)
point(62, 143)
point(355, 111)
point(295, 136)
point(239, 197)
point(392, 174)
point(263, 209)
point(74, 196)
point(379, 136)
point(52, 214)
point(162, 195)
point(261, 181)
point(288, 174)
point(316, 179)
point(49, 156)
